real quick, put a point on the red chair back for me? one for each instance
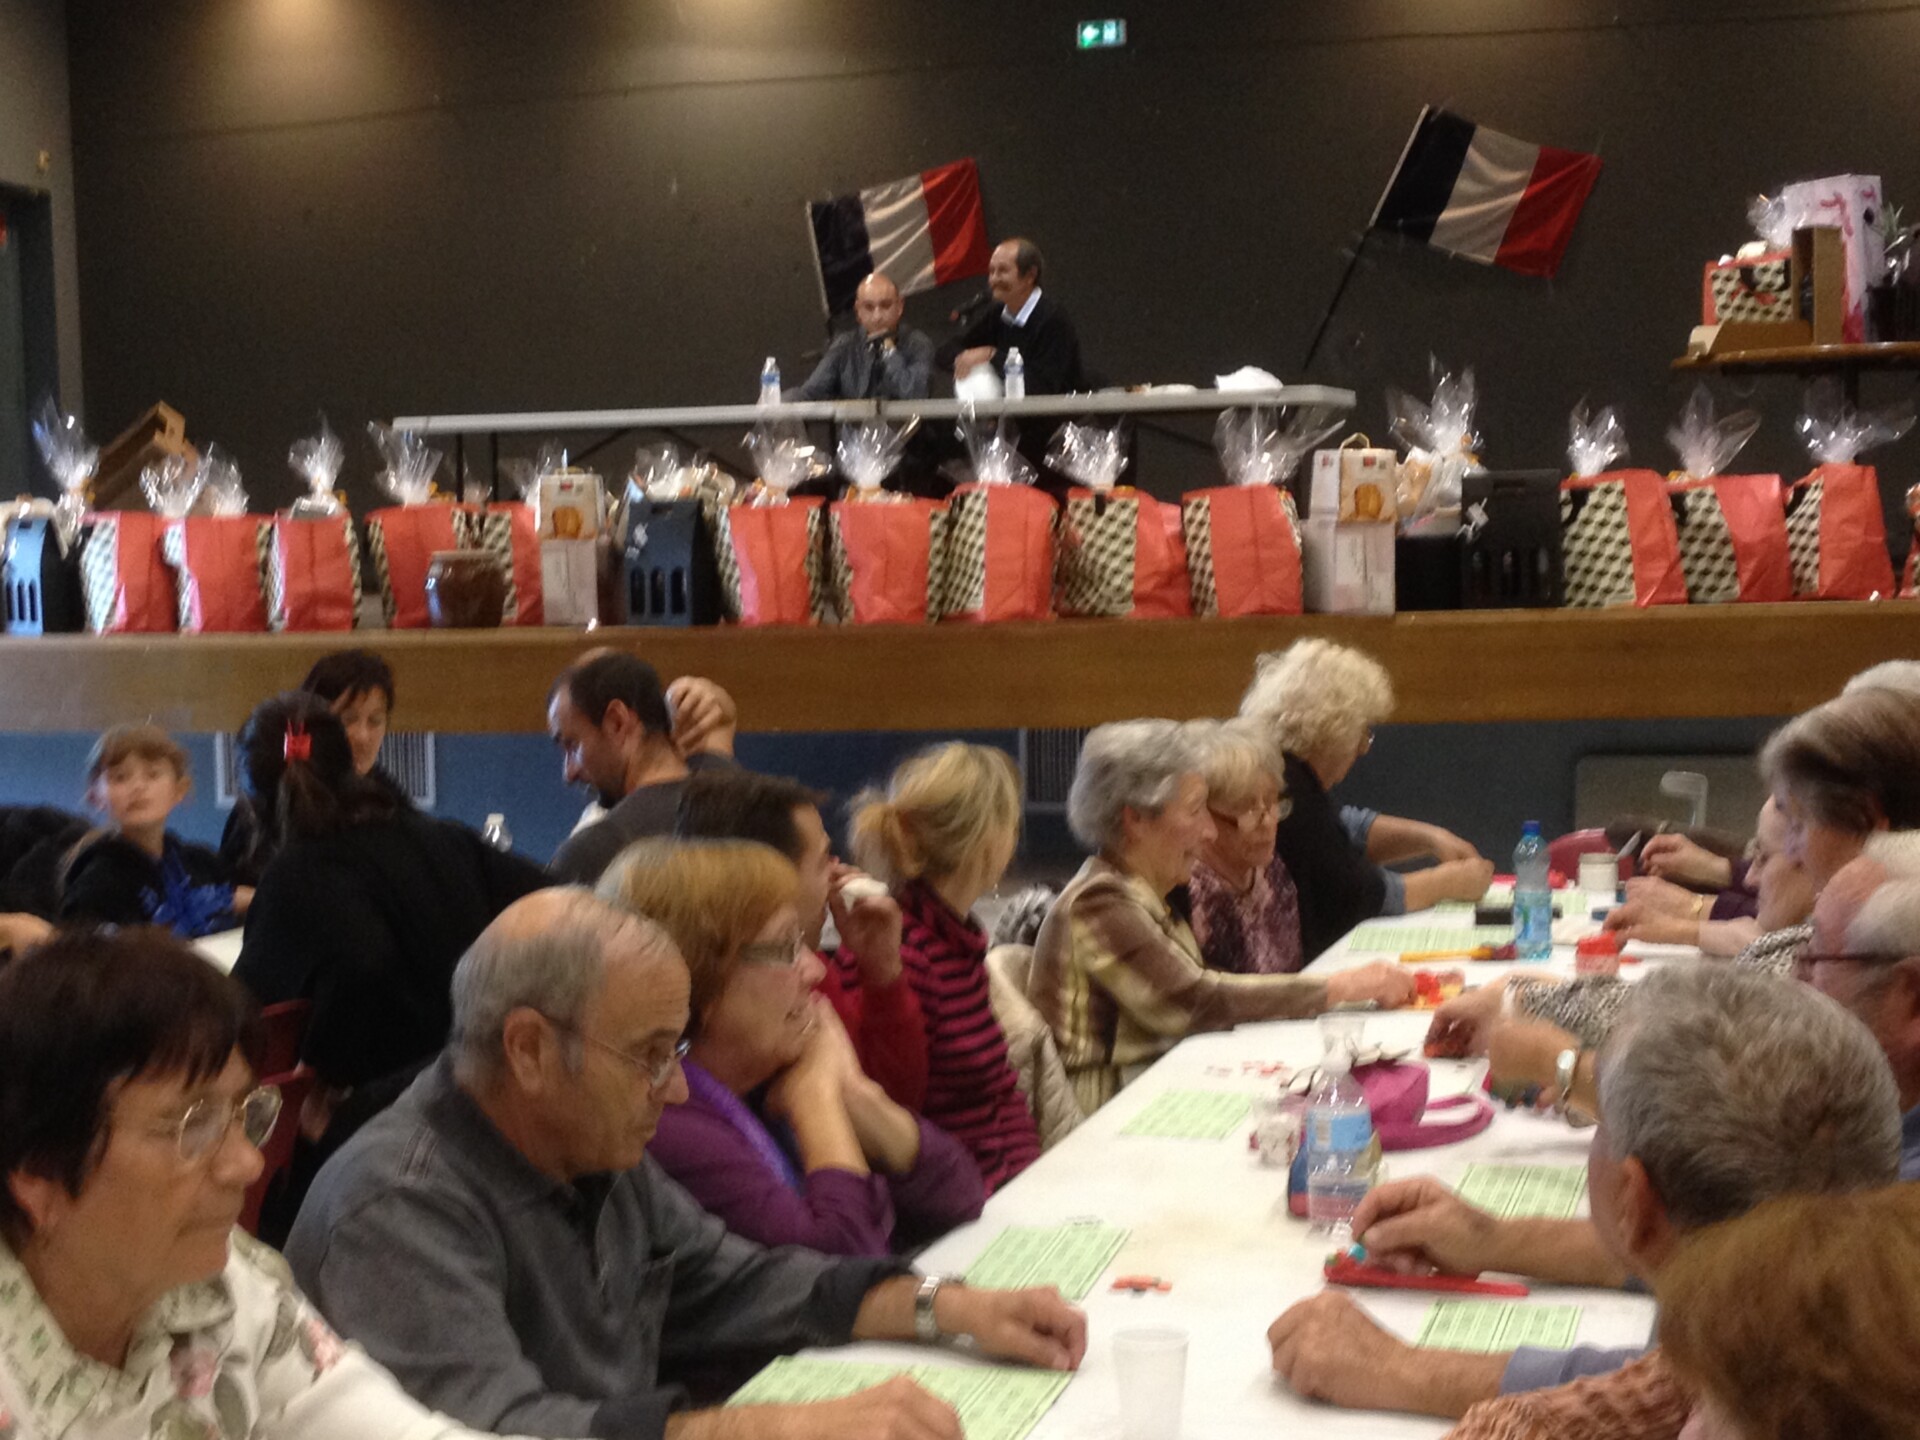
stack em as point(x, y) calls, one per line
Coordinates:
point(295, 1086)
point(282, 1029)
point(1564, 854)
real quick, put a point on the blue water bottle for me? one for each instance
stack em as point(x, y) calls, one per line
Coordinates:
point(1532, 896)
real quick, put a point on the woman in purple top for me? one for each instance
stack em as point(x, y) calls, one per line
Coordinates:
point(1246, 913)
point(783, 1136)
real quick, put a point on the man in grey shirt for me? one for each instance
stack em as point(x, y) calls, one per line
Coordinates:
point(880, 360)
point(500, 1241)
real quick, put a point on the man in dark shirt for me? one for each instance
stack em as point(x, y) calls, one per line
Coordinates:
point(635, 743)
point(881, 359)
point(1024, 317)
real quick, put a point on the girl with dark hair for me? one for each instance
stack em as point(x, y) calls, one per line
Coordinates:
point(364, 909)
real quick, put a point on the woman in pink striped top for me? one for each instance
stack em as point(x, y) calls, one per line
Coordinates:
point(942, 835)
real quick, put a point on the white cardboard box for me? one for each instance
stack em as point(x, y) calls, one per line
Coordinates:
point(570, 581)
point(1347, 568)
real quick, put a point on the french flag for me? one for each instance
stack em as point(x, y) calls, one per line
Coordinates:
point(1484, 196)
point(919, 232)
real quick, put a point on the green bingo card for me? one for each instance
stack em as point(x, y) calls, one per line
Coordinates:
point(995, 1402)
point(1489, 1326)
point(1068, 1257)
point(1190, 1115)
point(1514, 1192)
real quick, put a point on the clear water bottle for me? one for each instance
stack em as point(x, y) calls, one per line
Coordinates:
point(1015, 386)
point(1532, 896)
point(1340, 1151)
point(770, 382)
point(496, 834)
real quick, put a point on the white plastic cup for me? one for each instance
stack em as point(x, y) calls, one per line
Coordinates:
point(1600, 875)
point(1150, 1369)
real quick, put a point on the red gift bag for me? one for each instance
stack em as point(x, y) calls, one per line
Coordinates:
point(1621, 541)
point(124, 578)
point(1000, 541)
point(403, 539)
point(775, 554)
point(1123, 553)
point(1733, 539)
point(1837, 535)
point(887, 560)
point(525, 602)
point(313, 575)
point(1243, 550)
point(218, 562)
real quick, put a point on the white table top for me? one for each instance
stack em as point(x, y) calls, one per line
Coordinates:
point(1208, 1217)
point(222, 949)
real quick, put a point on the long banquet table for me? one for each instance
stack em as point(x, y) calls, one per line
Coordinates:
point(1206, 1216)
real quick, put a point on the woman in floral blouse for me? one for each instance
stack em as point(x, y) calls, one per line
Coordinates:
point(130, 1308)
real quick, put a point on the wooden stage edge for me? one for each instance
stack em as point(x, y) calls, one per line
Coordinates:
point(1448, 667)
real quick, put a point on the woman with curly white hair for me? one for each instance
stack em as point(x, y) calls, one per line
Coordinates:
point(1320, 702)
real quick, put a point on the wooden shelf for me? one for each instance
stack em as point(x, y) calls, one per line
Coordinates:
point(1890, 355)
point(1448, 666)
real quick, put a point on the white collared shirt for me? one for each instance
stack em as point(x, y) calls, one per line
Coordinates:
point(1026, 310)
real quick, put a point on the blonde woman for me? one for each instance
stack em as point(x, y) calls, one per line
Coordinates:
point(783, 1136)
point(941, 835)
point(1246, 912)
point(1319, 703)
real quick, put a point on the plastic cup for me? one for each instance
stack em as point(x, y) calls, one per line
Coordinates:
point(1150, 1369)
point(1600, 875)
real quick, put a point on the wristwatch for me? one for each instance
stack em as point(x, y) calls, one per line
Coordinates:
point(1563, 1067)
point(926, 1329)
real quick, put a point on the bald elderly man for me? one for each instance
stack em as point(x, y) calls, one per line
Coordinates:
point(881, 360)
point(500, 1240)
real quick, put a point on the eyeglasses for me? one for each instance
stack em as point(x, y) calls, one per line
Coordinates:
point(782, 954)
point(657, 1069)
point(1256, 814)
point(1808, 959)
point(205, 1125)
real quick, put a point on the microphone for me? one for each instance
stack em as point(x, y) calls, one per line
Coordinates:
point(970, 309)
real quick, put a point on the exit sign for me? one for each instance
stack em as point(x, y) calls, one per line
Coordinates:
point(1101, 34)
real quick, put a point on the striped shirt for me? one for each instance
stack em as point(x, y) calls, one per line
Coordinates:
point(972, 1092)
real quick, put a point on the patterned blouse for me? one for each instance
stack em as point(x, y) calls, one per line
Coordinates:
point(242, 1355)
point(1641, 1401)
point(1250, 932)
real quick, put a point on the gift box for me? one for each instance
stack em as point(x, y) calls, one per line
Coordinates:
point(507, 532)
point(887, 560)
point(1850, 204)
point(1837, 535)
point(219, 564)
point(313, 574)
point(771, 561)
point(999, 554)
point(573, 504)
point(1510, 551)
point(1243, 550)
point(403, 540)
point(1347, 568)
point(1758, 291)
point(124, 579)
point(570, 582)
point(1733, 539)
point(1356, 481)
point(1123, 553)
point(671, 574)
point(1621, 541)
point(41, 580)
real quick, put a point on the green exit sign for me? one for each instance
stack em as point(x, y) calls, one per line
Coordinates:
point(1101, 34)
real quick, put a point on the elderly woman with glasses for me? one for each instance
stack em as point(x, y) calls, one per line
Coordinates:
point(130, 1129)
point(783, 1135)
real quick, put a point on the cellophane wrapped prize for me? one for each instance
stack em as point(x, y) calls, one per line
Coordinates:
point(313, 562)
point(1836, 531)
point(1442, 438)
point(1618, 534)
point(219, 553)
point(1733, 530)
point(1243, 538)
point(886, 552)
point(772, 547)
point(1122, 552)
point(1000, 533)
point(404, 536)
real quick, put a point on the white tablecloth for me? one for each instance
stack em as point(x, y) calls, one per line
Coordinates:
point(1208, 1217)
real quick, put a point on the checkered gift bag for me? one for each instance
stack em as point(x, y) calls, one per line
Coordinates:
point(313, 574)
point(507, 533)
point(1122, 553)
point(999, 554)
point(1837, 535)
point(219, 564)
point(124, 579)
point(772, 561)
point(1243, 550)
point(1754, 292)
point(887, 560)
point(402, 540)
point(1733, 539)
point(1621, 541)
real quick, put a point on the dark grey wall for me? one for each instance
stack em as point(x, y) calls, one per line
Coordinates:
point(403, 206)
point(33, 119)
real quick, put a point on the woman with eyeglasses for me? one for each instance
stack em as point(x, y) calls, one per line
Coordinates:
point(782, 1136)
point(130, 1129)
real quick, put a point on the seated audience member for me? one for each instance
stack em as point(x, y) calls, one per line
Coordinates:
point(941, 835)
point(136, 871)
point(1719, 1089)
point(129, 1133)
point(635, 744)
point(1116, 971)
point(1823, 1350)
point(1246, 913)
point(1652, 917)
point(34, 843)
point(782, 1136)
point(865, 979)
point(1320, 703)
point(358, 686)
point(364, 909)
point(503, 1242)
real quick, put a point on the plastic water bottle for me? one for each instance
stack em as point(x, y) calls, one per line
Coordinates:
point(1015, 386)
point(496, 834)
point(1340, 1156)
point(1532, 897)
point(770, 382)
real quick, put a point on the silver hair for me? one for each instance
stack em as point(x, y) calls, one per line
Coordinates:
point(1234, 755)
point(1316, 697)
point(1732, 1088)
point(1888, 920)
point(555, 970)
point(1129, 765)
point(1901, 675)
point(1895, 851)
